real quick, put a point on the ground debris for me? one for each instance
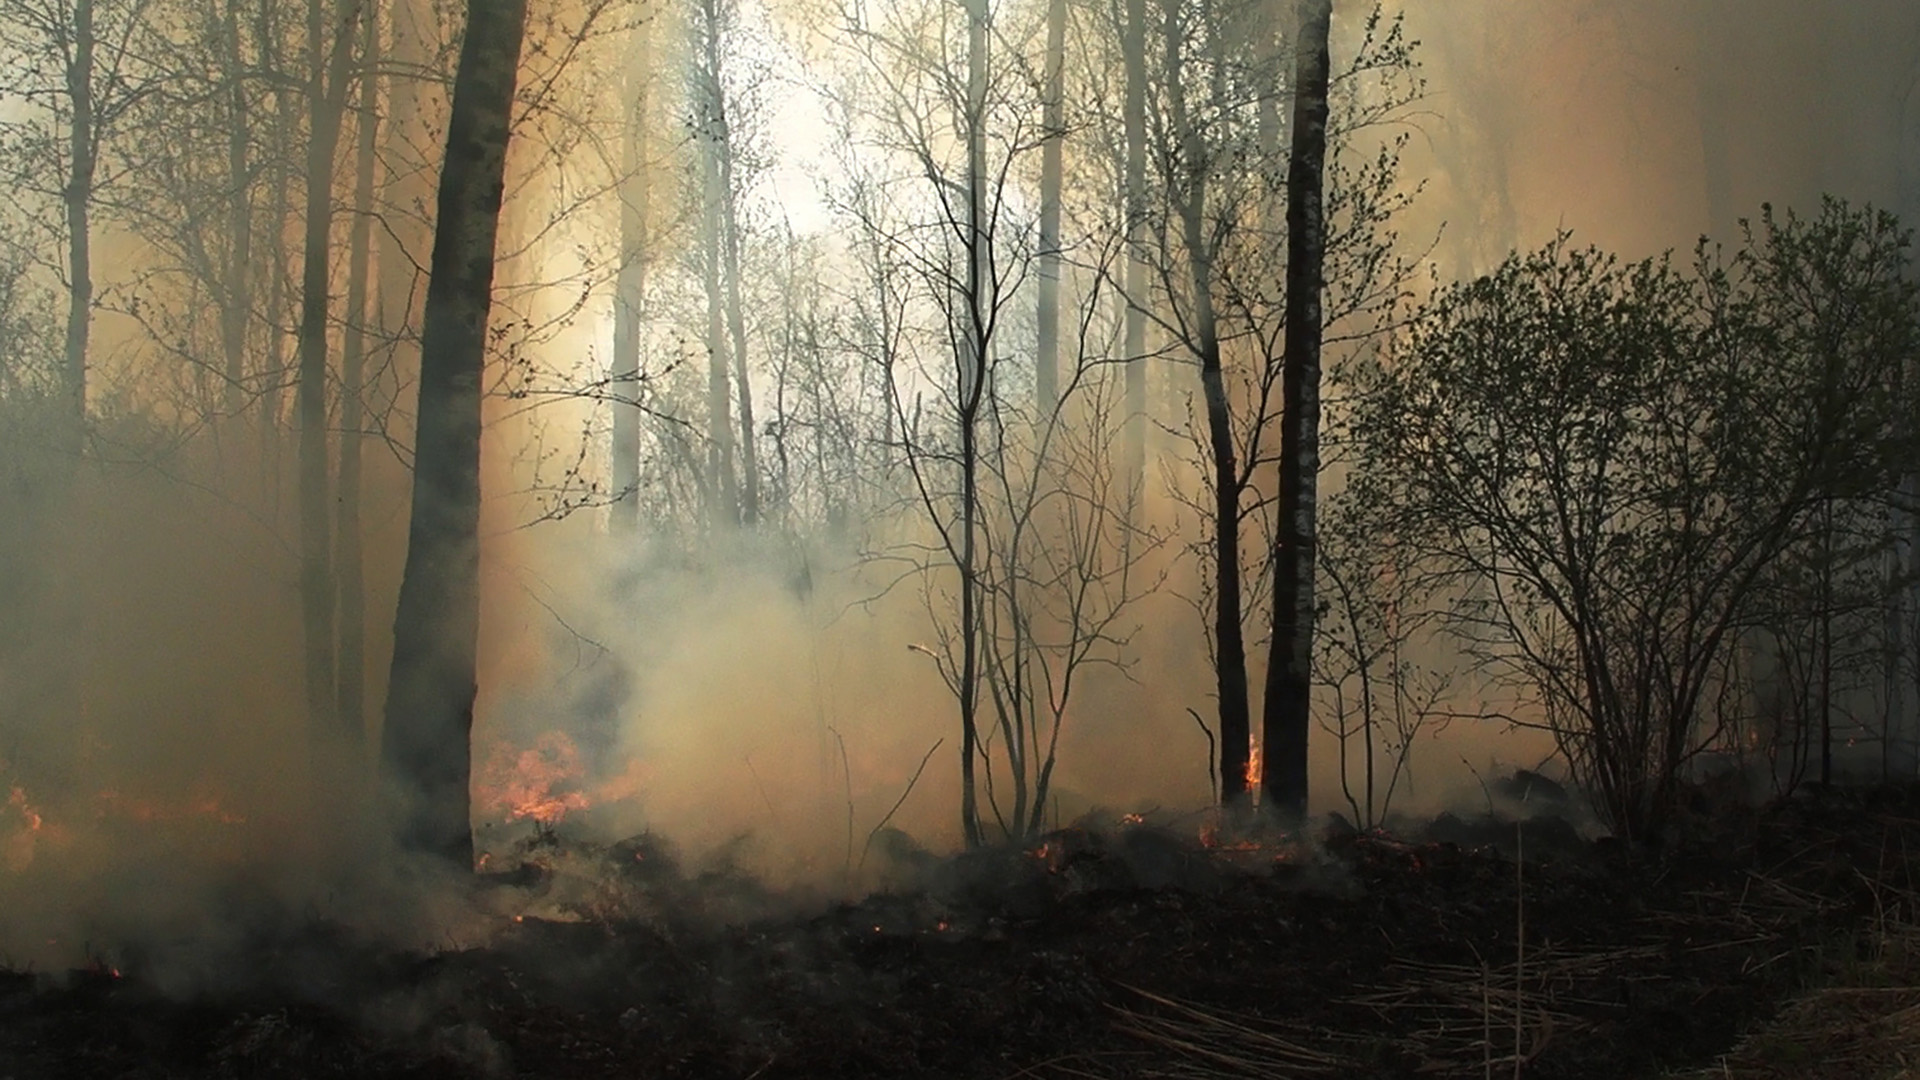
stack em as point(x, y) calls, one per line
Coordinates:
point(1130, 951)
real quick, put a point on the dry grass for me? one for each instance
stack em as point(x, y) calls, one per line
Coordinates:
point(1863, 1025)
point(1209, 1044)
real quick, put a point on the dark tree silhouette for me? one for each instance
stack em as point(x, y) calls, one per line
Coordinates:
point(1286, 710)
point(429, 718)
point(326, 103)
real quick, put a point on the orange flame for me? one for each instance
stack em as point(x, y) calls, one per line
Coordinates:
point(150, 811)
point(540, 782)
point(18, 848)
point(1255, 765)
point(30, 817)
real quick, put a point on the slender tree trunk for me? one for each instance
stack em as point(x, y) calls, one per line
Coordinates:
point(327, 88)
point(721, 481)
point(1904, 688)
point(1135, 344)
point(975, 350)
point(970, 618)
point(274, 361)
point(1230, 665)
point(1710, 100)
point(630, 288)
point(724, 221)
point(1825, 631)
point(1906, 763)
point(1047, 354)
point(1893, 645)
point(82, 141)
point(1285, 716)
point(1230, 661)
point(406, 196)
point(274, 366)
point(737, 327)
point(238, 308)
point(350, 570)
point(429, 716)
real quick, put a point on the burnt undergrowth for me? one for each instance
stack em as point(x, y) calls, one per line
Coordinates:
point(1115, 952)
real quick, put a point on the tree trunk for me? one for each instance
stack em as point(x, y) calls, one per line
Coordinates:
point(1230, 661)
point(724, 241)
point(238, 307)
point(1135, 344)
point(630, 288)
point(1905, 762)
point(429, 716)
point(1285, 709)
point(1824, 628)
point(81, 143)
point(326, 101)
point(268, 42)
point(974, 352)
point(1710, 99)
point(274, 361)
point(737, 327)
point(1046, 377)
point(405, 196)
point(721, 484)
point(350, 570)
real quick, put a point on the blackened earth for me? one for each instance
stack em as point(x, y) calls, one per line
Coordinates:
point(1115, 952)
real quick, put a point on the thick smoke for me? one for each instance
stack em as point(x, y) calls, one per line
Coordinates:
point(154, 753)
point(1642, 124)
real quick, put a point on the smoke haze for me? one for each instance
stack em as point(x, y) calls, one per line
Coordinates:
point(153, 738)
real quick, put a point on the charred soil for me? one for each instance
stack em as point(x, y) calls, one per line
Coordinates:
point(1110, 953)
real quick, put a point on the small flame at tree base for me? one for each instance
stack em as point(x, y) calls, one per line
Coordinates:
point(540, 783)
point(545, 782)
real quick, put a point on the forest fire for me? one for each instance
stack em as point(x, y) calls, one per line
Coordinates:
point(22, 841)
point(31, 825)
point(542, 783)
point(203, 807)
point(17, 800)
point(468, 469)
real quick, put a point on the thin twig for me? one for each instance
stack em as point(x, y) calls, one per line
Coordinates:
point(846, 774)
point(898, 803)
point(772, 814)
point(1213, 757)
point(1519, 944)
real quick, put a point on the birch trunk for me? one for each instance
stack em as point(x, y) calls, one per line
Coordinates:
point(630, 289)
point(429, 716)
point(737, 327)
point(1047, 352)
point(722, 484)
point(1286, 705)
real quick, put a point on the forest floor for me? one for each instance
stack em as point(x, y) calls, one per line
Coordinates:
point(1125, 952)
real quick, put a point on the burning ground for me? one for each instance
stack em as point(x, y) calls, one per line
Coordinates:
point(1129, 949)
